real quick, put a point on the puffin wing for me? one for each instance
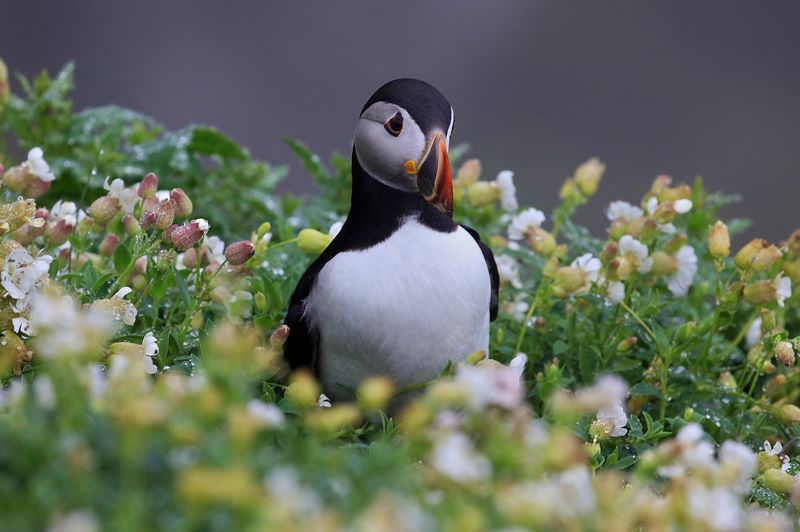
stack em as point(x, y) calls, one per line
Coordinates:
point(301, 348)
point(494, 277)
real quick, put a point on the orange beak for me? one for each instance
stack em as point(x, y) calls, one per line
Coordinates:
point(434, 180)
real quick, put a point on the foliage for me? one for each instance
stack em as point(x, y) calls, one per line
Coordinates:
point(143, 383)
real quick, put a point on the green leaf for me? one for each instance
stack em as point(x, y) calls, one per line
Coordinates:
point(560, 347)
point(644, 388)
point(122, 258)
point(625, 462)
point(183, 289)
point(209, 141)
point(310, 161)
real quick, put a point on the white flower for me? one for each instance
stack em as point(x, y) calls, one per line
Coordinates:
point(694, 453)
point(455, 457)
point(508, 192)
point(682, 279)
point(517, 308)
point(717, 508)
point(38, 166)
point(267, 415)
point(128, 197)
point(323, 401)
point(508, 269)
point(638, 251)
point(608, 392)
point(490, 383)
point(44, 392)
point(62, 328)
point(614, 417)
point(21, 326)
point(63, 210)
point(615, 291)
point(739, 462)
point(335, 228)
point(150, 345)
point(215, 247)
point(783, 288)
point(773, 451)
point(22, 275)
point(682, 206)
point(75, 521)
point(117, 307)
point(523, 222)
point(753, 333)
point(591, 266)
point(283, 484)
point(622, 210)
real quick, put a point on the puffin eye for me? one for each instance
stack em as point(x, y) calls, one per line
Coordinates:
point(394, 125)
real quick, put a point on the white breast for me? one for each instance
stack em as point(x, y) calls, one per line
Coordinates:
point(402, 308)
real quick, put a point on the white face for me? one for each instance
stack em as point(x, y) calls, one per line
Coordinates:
point(383, 148)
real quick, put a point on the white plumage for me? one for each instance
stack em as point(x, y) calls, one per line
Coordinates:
point(403, 307)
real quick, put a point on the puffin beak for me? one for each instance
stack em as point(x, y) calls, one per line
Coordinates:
point(434, 180)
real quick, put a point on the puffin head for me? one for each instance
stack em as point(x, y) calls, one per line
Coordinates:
point(402, 138)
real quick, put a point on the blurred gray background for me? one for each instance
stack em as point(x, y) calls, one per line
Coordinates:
point(683, 87)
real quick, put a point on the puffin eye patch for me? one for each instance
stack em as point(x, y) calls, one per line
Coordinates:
point(394, 125)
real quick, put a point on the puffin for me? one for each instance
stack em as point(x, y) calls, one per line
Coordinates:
point(402, 290)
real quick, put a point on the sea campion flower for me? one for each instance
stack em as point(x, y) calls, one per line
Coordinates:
point(118, 307)
point(508, 269)
point(454, 456)
point(783, 289)
point(719, 240)
point(189, 234)
point(239, 252)
point(490, 383)
point(615, 291)
point(128, 197)
point(148, 187)
point(508, 191)
point(183, 205)
point(587, 176)
point(589, 266)
point(62, 328)
point(527, 225)
point(324, 401)
point(266, 415)
point(144, 352)
point(635, 254)
point(623, 211)
point(682, 278)
point(22, 275)
point(104, 208)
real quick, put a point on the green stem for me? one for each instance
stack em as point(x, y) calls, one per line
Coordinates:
point(641, 322)
point(284, 243)
point(524, 329)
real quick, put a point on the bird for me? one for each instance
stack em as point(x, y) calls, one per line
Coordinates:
point(402, 290)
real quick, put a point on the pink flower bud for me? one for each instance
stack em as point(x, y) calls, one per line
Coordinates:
point(149, 219)
point(109, 244)
point(130, 225)
point(149, 186)
point(168, 233)
point(240, 252)
point(36, 188)
point(103, 209)
point(279, 336)
point(190, 258)
point(189, 234)
point(56, 234)
point(16, 178)
point(183, 205)
point(165, 214)
point(140, 265)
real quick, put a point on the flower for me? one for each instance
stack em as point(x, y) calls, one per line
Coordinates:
point(773, 451)
point(128, 197)
point(590, 266)
point(117, 307)
point(607, 392)
point(150, 345)
point(508, 268)
point(517, 308)
point(67, 211)
point(22, 275)
point(737, 465)
point(614, 419)
point(324, 401)
point(783, 288)
point(37, 166)
point(508, 192)
point(522, 223)
point(240, 252)
point(622, 210)
point(717, 508)
point(754, 334)
point(638, 252)
point(454, 456)
point(215, 249)
point(63, 328)
point(335, 228)
point(267, 415)
point(490, 383)
point(189, 234)
point(682, 206)
point(615, 291)
point(681, 279)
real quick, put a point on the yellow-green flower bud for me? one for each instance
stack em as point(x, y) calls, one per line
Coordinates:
point(569, 190)
point(588, 175)
point(778, 481)
point(789, 414)
point(719, 240)
point(183, 205)
point(313, 241)
point(303, 390)
point(541, 241)
point(570, 278)
point(760, 293)
point(745, 257)
point(263, 229)
point(792, 270)
point(482, 193)
point(620, 268)
point(550, 267)
point(765, 258)
point(627, 344)
point(727, 379)
point(663, 263)
point(260, 301)
point(104, 208)
point(469, 173)
point(784, 353)
point(374, 393)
